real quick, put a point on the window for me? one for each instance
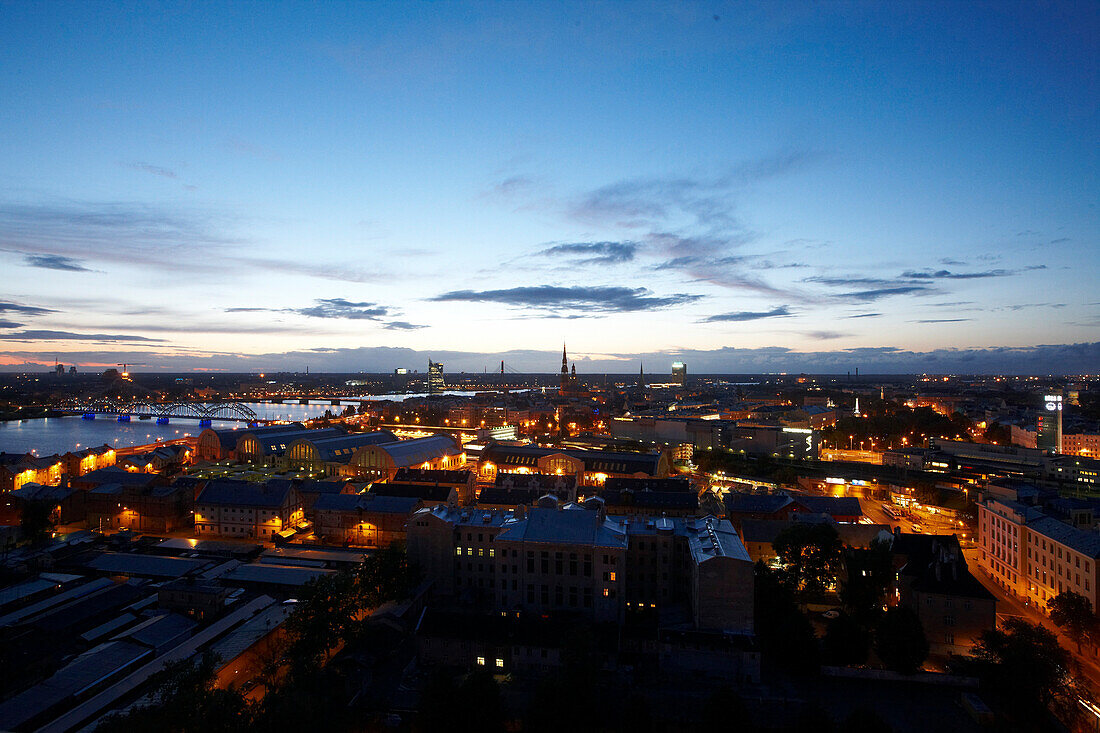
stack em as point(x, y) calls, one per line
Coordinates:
point(481, 661)
point(500, 663)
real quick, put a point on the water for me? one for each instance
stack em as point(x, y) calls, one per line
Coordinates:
point(62, 434)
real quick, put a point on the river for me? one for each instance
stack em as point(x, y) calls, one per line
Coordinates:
point(46, 436)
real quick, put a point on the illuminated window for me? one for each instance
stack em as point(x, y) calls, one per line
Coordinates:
point(500, 664)
point(606, 592)
point(611, 575)
point(481, 661)
point(458, 551)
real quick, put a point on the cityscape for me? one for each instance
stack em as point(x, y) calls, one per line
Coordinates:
point(549, 366)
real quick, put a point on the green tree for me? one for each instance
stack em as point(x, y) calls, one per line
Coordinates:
point(811, 552)
point(899, 640)
point(1072, 612)
point(1024, 664)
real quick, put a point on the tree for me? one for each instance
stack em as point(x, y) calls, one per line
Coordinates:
point(862, 720)
point(846, 641)
point(785, 632)
point(1024, 664)
point(811, 552)
point(36, 521)
point(869, 574)
point(185, 699)
point(899, 640)
point(1072, 612)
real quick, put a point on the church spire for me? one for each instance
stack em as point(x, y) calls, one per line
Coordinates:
point(564, 361)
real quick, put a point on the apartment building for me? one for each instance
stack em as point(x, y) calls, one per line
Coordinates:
point(1035, 556)
point(578, 560)
point(243, 509)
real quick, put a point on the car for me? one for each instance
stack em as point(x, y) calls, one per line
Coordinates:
point(831, 614)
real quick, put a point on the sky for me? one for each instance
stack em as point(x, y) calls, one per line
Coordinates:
point(898, 187)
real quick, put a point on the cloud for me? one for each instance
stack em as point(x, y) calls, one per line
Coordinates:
point(28, 310)
point(948, 275)
point(826, 335)
point(246, 310)
point(1079, 358)
point(865, 315)
point(54, 262)
point(594, 253)
point(868, 296)
point(942, 320)
point(403, 326)
point(341, 308)
point(155, 170)
point(70, 336)
point(740, 316)
point(4, 323)
point(154, 237)
point(590, 300)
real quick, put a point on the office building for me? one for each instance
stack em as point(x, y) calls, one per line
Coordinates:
point(679, 373)
point(1049, 424)
point(436, 385)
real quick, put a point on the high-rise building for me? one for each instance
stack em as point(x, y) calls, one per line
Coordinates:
point(436, 385)
point(1049, 423)
point(679, 373)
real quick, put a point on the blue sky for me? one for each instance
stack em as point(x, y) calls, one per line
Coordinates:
point(771, 187)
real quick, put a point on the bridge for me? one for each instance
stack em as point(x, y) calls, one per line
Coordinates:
point(203, 412)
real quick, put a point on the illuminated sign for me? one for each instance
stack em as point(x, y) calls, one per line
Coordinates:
point(804, 431)
point(1053, 402)
point(834, 481)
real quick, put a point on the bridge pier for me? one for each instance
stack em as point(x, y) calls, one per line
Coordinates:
point(162, 421)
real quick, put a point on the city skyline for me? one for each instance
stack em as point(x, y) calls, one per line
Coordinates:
point(898, 189)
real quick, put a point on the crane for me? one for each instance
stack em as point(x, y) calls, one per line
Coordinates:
point(125, 369)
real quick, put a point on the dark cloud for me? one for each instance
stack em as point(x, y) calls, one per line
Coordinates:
point(155, 170)
point(246, 310)
point(850, 282)
point(942, 320)
point(28, 310)
point(591, 300)
point(739, 316)
point(4, 323)
point(865, 315)
point(948, 275)
point(341, 308)
point(594, 253)
point(952, 263)
point(54, 262)
point(868, 296)
point(70, 336)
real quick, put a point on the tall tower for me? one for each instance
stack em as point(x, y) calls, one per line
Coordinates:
point(568, 379)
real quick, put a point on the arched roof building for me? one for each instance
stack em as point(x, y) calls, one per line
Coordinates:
point(381, 461)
